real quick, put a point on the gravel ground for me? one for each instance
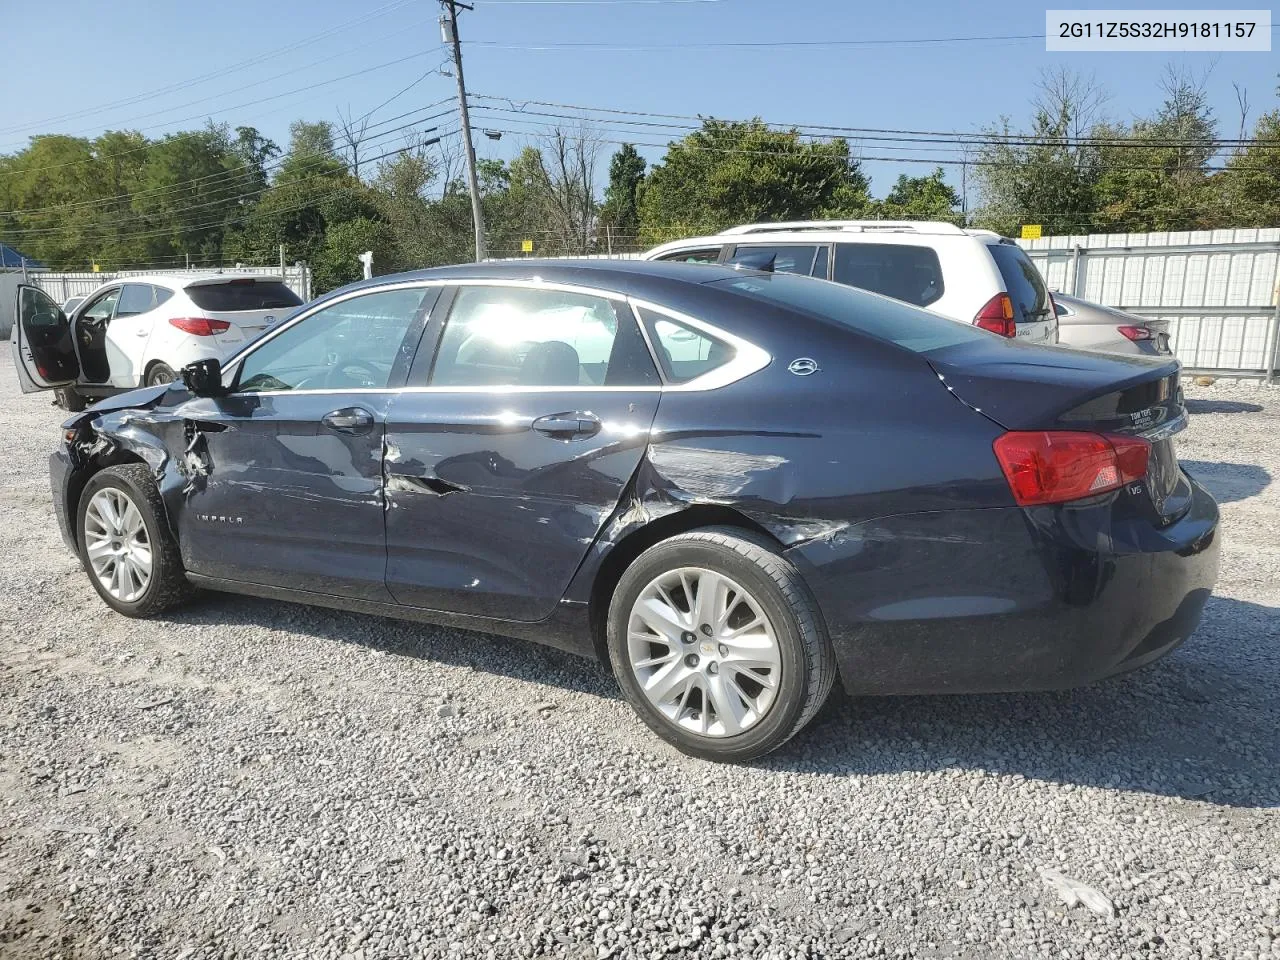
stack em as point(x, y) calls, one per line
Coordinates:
point(250, 778)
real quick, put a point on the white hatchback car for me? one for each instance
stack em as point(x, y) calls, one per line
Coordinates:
point(140, 331)
point(974, 276)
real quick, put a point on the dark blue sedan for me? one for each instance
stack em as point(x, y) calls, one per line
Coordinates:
point(732, 486)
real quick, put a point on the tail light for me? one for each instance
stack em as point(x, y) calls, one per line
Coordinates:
point(1055, 466)
point(200, 326)
point(1134, 333)
point(997, 316)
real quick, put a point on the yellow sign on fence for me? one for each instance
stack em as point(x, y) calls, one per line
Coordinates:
point(526, 246)
point(1031, 231)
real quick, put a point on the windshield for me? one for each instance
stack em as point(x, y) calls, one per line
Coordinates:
point(907, 326)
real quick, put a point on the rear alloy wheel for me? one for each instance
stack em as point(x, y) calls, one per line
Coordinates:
point(125, 545)
point(160, 373)
point(718, 646)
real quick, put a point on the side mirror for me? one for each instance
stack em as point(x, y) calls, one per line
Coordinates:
point(204, 378)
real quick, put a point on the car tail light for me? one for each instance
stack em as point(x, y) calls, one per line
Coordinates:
point(1134, 333)
point(997, 316)
point(200, 326)
point(1055, 466)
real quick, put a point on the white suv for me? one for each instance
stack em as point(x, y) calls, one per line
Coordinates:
point(140, 331)
point(974, 276)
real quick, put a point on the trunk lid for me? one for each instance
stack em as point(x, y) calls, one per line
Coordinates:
point(1023, 387)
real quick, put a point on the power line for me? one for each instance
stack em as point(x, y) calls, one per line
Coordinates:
point(222, 71)
point(960, 136)
point(607, 47)
point(934, 161)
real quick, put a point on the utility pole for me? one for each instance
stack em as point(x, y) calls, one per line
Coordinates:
point(449, 34)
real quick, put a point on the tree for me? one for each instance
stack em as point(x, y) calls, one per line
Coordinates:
point(1048, 175)
point(1251, 182)
point(311, 152)
point(337, 260)
point(620, 215)
point(739, 172)
point(1158, 178)
point(921, 198)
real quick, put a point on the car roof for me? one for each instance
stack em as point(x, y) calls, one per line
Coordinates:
point(630, 277)
point(815, 233)
point(186, 278)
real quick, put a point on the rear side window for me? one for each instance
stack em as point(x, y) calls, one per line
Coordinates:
point(243, 294)
point(140, 298)
point(786, 257)
point(903, 271)
point(1023, 281)
point(706, 255)
point(685, 353)
point(909, 327)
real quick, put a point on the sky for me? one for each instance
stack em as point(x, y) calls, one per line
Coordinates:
point(161, 67)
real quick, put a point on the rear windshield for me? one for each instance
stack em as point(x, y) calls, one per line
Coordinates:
point(899, 270)
point(907, 326)
point(236, 295)
point(1025, 285)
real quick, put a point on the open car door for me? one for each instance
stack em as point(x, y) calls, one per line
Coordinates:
point(43, 349)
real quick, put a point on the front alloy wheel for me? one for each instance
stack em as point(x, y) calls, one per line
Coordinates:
point(125, 543)
point(116, 543)
point(704, 652)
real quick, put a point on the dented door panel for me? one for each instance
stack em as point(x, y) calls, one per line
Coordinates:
point(273, 496)
point(485, 515)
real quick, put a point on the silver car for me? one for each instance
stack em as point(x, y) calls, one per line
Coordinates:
point(1083, 325)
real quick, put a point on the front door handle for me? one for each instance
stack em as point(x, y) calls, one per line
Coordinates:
point(568, 426)
point(348, 420)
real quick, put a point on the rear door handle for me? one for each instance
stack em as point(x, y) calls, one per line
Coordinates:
point(568, 426)
point(348, 420)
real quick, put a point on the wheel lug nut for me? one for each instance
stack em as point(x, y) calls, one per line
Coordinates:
point(691, 661)
point(724, 650)
point(706, 629)
point(688, 637)
point(713, 668)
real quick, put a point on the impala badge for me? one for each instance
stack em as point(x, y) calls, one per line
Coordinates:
point(803, 366)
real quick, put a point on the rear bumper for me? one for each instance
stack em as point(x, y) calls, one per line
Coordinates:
point(1004, 599)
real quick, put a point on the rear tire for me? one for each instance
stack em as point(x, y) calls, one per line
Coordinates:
point(70, 400)
point(125, 544)
point(764, 664)
point(159, 373)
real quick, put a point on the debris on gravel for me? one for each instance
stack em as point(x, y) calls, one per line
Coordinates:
point(253, 779)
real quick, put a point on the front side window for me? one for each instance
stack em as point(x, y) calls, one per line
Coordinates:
point(786, 258)
point(353, 344)
point(103, 307)
point(685, 353)
point(903, 271)
point(521, 336)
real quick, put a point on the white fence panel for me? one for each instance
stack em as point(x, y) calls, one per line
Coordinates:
point(60, 286)
point(1219, 290)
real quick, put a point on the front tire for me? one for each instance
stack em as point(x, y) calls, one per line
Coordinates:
point(718, 645)
point(125, 544)
point(160, 373)
point(69, 399)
